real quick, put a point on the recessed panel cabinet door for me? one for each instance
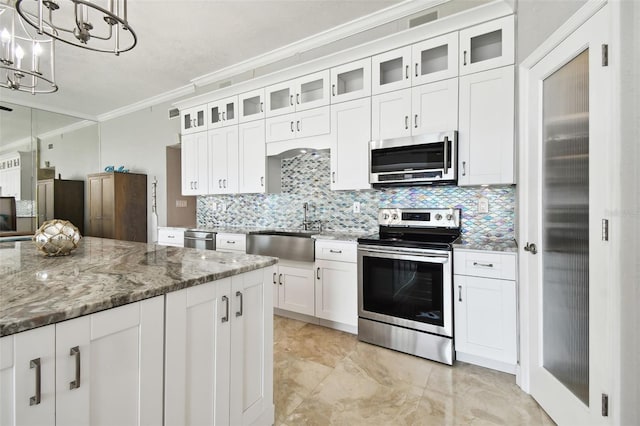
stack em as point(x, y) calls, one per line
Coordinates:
point(313, 122)
point(223, 170)
point(296, 292)
point(252, 157)
point(337, 291)
point(390, 115)
point(435, 107)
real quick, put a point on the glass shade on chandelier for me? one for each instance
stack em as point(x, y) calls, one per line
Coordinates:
point(99, 25)
point(27, 61)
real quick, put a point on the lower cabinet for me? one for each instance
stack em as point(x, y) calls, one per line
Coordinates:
point(219, 352)
point(171, 236)
point(485, 310)
point(294, 287)
point(100, 369)
point(231, 243)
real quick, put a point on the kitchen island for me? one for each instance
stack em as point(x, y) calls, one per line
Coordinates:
point(131, 333)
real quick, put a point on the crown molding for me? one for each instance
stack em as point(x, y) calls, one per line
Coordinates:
point(48, 108)
point(66, 129)
point(356, 26)
point(149, 102)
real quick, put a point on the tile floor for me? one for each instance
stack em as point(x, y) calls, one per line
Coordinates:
point(327, 377)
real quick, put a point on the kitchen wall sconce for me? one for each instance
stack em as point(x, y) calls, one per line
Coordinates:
point(27, 61)
point(99, 25)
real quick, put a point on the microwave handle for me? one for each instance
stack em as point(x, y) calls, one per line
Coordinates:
point(446, 155)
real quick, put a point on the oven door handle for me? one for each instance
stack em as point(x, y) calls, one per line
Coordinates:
point(424, 257)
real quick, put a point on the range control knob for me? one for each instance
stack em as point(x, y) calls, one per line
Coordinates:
point(438, 216)
point(449, 216)
point(394, 216)
point(385, 216)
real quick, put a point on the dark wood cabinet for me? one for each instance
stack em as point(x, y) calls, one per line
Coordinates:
point(61, 199)
point(118, 206)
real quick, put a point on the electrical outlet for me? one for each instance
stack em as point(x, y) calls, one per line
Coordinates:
point(213, 206)
point(356, 206)
point(181, 203)
point(483, 205)
point(222, 207)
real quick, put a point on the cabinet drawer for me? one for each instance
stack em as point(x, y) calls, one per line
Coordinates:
point(342, 251)
point(235, 242)
point(485, 264)
point(171, 237)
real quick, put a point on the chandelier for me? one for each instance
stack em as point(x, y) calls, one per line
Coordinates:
point(26, 58)
point(99, 25)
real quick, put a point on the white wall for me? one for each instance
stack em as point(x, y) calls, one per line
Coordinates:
point(74, 155)
point(138, 142)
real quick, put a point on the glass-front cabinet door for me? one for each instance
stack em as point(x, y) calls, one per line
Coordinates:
point(351, 81)
point(223, 112)
point(193, 119)
point(280, 99)
point(251, 105)
point(312, 91)
point(391, 70)
point(486, 46)
point(435, 59)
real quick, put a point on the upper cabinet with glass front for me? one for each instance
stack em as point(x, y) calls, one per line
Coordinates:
point(309, 91)
point(435, 59)
point(223, 112)
point(351, 81)
point(193, 119)
point(391, 70)
point(251, 105)
point(486, 46)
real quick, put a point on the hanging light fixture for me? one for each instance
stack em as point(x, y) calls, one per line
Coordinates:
point(99, 25)
point(26, 58)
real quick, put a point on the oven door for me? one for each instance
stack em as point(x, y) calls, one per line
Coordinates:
point(406, 287)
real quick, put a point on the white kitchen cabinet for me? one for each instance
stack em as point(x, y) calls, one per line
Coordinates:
point(231, 243)
point(16, 175)
point(313, 122)
point(351, 81)
point(168, 236)
point(337, 281)
point(435, 59)
point(252, 161)
point(195, 164)
point(485, 309)
point(27, 363)
point(193, 119)
point(218, 352)
point(488, 45)
point(107, 366)
point(223, 112)
point(306, 92)
point(251, 106)
point(295, 288)
point(428, 108)
point(391, 70)
point(350, 136)
point(223, 154)
point(486, 132)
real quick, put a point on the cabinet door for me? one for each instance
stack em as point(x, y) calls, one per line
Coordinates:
point(435, 107)
point(435, 59)
point(223, 112)
point(251, 106)
point(486, 46)
point(485, 318)
point(280, 128)
point(197, 355)
point(251, 387)
point(391, 70)
point(337, 291)
point(201, 183)
point(351, 81)
point(312, 91)
point(27, 361)
point(101, 206)
point(390, 115)
point(350, 136)
point(296, 290)
point(252, 157)
point(193, 120)
point(486, 135)
point(223, 170)
point(194, 164)
point(313, 122)
point(280, 99)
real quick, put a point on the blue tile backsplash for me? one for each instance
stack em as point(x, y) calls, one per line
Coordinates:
point(306, 178)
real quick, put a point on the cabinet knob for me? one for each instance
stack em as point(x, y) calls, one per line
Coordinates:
point(531, 248)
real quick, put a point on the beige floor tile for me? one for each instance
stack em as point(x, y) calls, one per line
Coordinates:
point(283, 327)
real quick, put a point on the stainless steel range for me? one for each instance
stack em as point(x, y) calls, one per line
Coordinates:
point(405, 282)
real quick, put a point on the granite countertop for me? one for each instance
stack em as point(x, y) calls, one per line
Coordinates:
point(318, 235)
point(36, 290)
point(487, 244)
point(339, 236)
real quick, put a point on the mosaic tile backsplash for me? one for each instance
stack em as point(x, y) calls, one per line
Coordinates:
point(306, 178)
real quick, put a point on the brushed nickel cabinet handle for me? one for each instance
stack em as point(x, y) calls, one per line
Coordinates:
point(225, 318)
point(333, 177)
point(486, 265)
point(298, 125)
point(464, 168)
point(35, 363)
point(224, 183)
point(261, 180)
point(280, 279)
point(239, 294)
point(318, 273)
point(406, 72)
point(335, 251)
point(261, 106)
point(415, 121)
point(298, 98)
point(220, 183)
point(291, 99)
point(406, 122)
point(464, 58)
point(75, 352)
point(459, 293)
point(223, 117)
point(230, 242)
point(292, 127)
point(333, 89)
point(274, 278)
point(416, 69)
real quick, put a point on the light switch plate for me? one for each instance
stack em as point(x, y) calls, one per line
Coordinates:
point(356, 206)
point(483, 205)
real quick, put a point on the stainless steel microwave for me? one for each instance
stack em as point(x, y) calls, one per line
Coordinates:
point(416, 160)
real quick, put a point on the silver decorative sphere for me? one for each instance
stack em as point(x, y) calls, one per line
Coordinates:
point(57, 237)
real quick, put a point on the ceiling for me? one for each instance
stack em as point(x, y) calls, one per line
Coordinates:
point(179, 41)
